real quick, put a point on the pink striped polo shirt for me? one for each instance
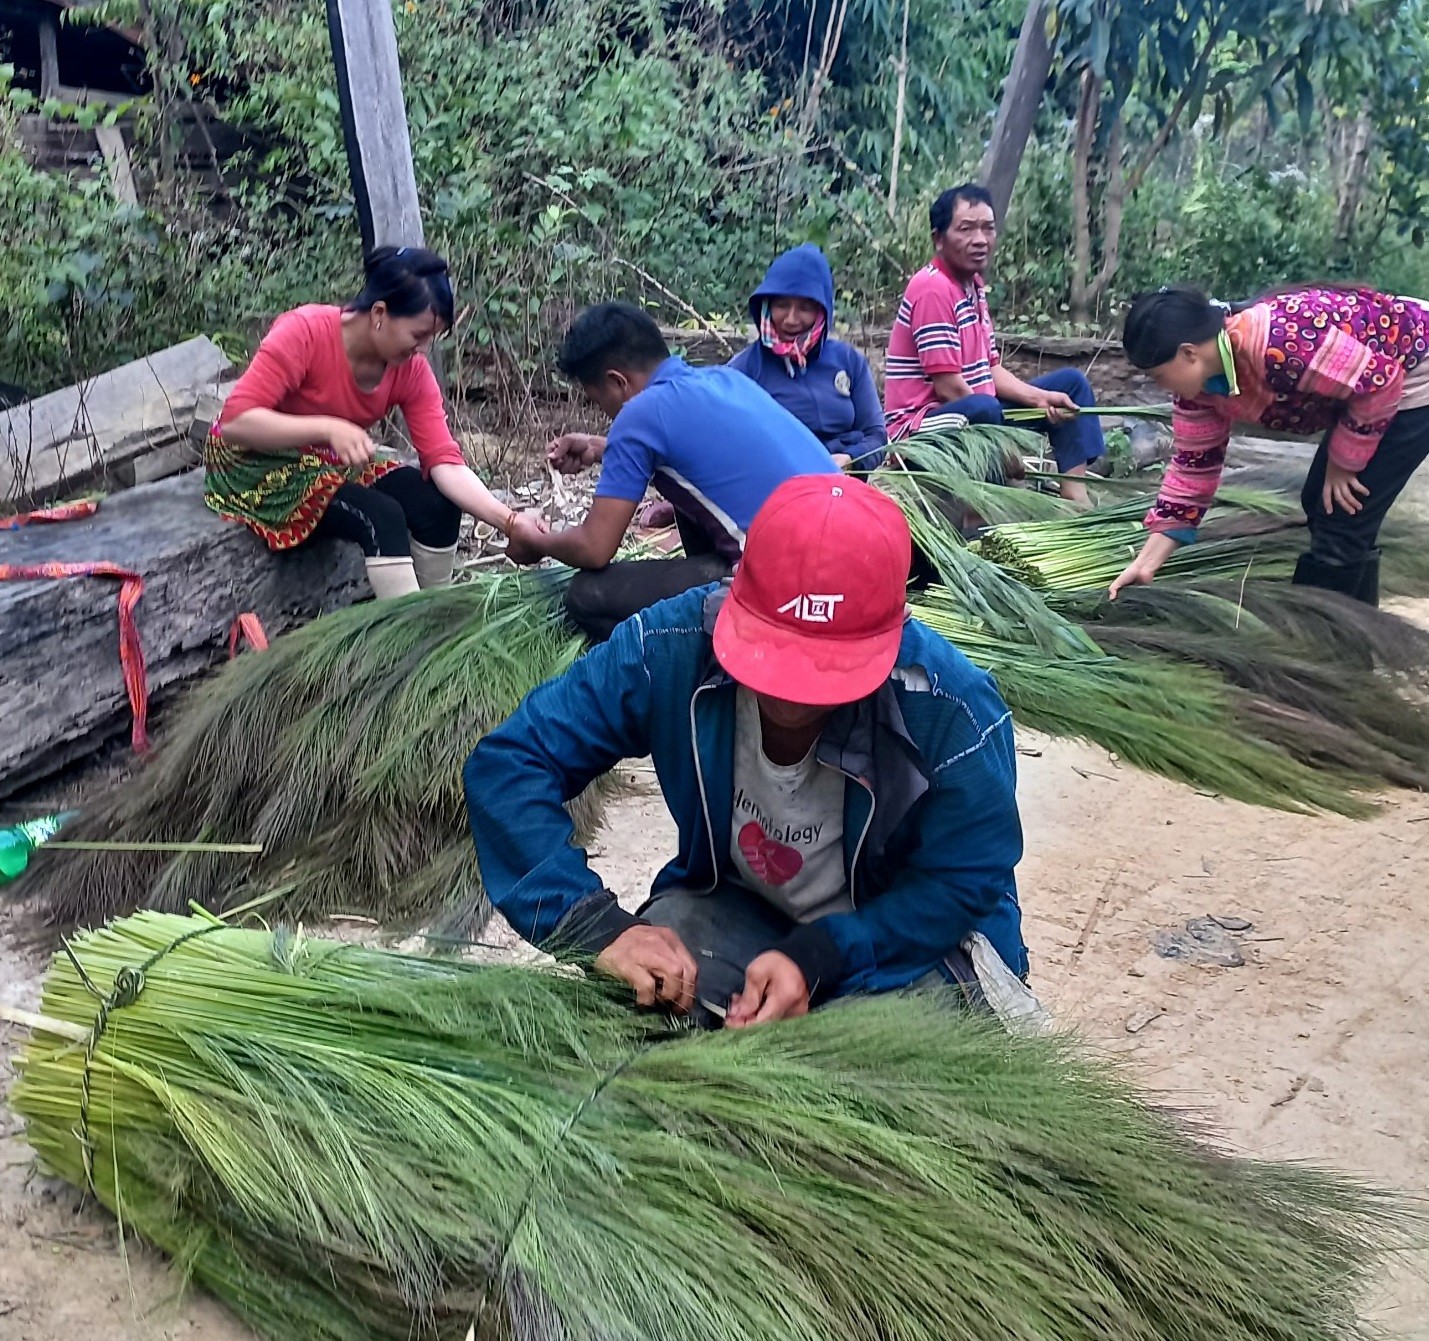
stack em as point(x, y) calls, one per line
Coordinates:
point(942, 326)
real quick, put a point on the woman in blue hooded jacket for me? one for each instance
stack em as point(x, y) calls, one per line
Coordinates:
point(822, 382)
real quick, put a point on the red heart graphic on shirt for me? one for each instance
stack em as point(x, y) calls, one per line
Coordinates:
point(772, 862)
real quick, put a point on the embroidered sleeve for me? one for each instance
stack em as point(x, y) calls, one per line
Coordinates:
point(1189, 485)
point(1371, 384)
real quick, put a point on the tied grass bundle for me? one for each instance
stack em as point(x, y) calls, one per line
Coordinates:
point(1214, 676)
point(1251, 534)
point(1339, 684)
point(339, 749)
point(349, 1145)
point(1181, 721)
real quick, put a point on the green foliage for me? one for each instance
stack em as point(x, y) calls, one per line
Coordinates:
point(346, 1145)
point(568, 153)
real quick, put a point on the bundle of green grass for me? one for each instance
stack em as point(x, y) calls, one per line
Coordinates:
point(344, 1144)
point(339, 749)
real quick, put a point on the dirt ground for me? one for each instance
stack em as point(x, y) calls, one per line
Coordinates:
point(1315, 1048)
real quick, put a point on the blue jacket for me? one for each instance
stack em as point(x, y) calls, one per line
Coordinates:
point(931, 829)
point(835, 395)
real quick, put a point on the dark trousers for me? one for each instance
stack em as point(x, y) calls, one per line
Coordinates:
point(600, 598)
point(1345, 540)
point(1073, 443)
point(729, 928)
point(380, 517)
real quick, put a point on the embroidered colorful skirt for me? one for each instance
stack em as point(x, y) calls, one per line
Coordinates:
point(280, 498)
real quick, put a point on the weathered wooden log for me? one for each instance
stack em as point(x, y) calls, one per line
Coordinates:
point(712, 344)
point(91, 432)
point(61, 690)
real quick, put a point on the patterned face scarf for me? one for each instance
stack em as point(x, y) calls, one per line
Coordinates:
point(795, 352)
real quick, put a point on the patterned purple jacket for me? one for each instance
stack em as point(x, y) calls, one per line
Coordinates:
point(1305, 361)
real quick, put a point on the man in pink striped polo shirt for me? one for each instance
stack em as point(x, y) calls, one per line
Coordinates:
point(943, 357)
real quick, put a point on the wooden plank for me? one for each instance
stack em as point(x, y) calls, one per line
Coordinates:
point(61, 691)
point(116, 155)
point(374, 122)
point(49, 32)
point(84, 433)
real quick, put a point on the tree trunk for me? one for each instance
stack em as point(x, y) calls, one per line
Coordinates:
point(1084, 138)
point(833, 36)
point(62, 692)
point(1021, 97)
point(1113, 205)
point(898, 117)
point(1352, 185)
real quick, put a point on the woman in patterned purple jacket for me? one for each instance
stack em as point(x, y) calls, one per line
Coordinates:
point(1349, 363)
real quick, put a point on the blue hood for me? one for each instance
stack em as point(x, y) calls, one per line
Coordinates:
point(801, 272)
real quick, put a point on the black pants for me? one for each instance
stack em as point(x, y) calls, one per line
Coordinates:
point(600, 598)
point(1341, 539)
point(380, 517)
point(725, 931)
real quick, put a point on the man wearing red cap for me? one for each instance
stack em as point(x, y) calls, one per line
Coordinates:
point(842, 779)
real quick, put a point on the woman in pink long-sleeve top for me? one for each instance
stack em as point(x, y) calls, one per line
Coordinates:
point(1348, 363)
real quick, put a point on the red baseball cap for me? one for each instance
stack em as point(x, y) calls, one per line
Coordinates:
point(816, 611)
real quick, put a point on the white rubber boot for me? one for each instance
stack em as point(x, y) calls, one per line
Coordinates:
point(434, 566)
point(391, 577)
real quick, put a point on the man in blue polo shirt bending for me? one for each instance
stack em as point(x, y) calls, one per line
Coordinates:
point(712, 442)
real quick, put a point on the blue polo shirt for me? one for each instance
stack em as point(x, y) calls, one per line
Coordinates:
point(712, 442)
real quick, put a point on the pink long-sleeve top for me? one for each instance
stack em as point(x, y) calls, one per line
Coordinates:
point(1306, 361)
point(301, 368)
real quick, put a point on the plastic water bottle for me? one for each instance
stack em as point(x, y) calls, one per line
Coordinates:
point(19, 841)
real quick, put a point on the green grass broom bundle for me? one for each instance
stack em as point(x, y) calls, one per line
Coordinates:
point(348, 1145)
point(339, 749)
point(1341, 685)
point(1214, 676)
point(1180, 720)
point(1250, 535)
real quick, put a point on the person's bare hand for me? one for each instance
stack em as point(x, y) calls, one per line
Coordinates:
point(654, 961)
point(774, 989)
point(350, 444)
point(1342, 489)
point(525, 544)
point(574, 452)
point(1058, 406)
point(1138, 573)
point(842, 460)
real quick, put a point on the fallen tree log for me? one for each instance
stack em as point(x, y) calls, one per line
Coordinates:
point(92, 433)
point(61, 690)
point(717, 344)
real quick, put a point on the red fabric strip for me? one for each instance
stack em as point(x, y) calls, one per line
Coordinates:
point(131, 651)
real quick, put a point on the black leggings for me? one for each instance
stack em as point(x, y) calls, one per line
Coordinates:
point(380, 517)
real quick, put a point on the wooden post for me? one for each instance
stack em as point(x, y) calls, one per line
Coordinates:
point(1021, 97)
point(116, 157)
point(49, 57)
point(374, 122)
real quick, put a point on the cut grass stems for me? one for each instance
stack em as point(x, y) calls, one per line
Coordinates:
point(1250, 533)
point(348, 1145)
point(1181, 721)
point(1026, 414)
point(339, 750)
